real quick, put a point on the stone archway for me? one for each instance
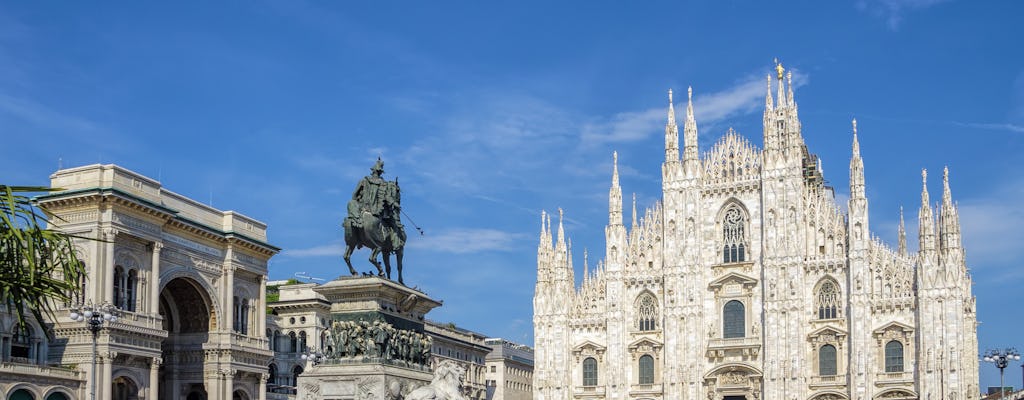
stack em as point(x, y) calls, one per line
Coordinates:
point(123, 388)
point(733, 382)
point(188, 317)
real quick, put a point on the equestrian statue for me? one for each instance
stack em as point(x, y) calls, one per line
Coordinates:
point(374, 221)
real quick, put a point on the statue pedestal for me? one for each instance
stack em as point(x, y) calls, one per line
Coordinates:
point(376, 347)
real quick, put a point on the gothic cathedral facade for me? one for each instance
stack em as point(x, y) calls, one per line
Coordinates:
point(748, 281)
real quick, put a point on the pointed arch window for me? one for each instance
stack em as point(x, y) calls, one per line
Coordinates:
point(827, 300)
point(827, 360)
point(590, 372)
point(647, 312)
point(646, 370)
point(733, 320)
point(894, 356)
point(734, 247)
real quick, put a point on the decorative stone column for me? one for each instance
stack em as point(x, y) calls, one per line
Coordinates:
point(154, 280)
point(154, 378)
point(106, 290)
point(263, 386)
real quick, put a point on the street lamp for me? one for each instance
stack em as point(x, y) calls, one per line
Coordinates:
point(94, 317)
point(314, 357)
point(1001, 358)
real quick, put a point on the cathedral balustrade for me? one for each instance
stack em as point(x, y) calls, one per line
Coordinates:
point(589, 391)
point(645, 389)
point(893, 378)
point(828, 381)
point(734, 343)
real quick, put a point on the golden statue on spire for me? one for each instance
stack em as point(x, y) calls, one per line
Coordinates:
point(778, 69)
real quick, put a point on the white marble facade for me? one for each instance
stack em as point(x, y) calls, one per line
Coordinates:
point(749, 281)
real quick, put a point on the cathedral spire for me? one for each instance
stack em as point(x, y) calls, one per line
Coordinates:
point(949, 226)
point(690, 157)
point(856, 168)
point(768, 103)
point(671, 133)
point(902, 233)
point(926, 225)
point(615, 194)
point(780, 74)
point(791, 101)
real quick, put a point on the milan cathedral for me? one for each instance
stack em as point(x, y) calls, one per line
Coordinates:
point(748, 281)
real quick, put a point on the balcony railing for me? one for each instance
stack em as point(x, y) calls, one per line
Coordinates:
point(893, 377)
point(646, 388)
point(828, 380)
point(12, 368)
point(588, 391)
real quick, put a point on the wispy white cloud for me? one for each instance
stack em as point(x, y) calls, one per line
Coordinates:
point(467, 240)
point(993, 126)
point(893, 10)
point(991, 229)
point(744, 97)
point(41, 115)
point(325, 250)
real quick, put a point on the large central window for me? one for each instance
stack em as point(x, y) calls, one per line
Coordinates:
point(647, 312)
point(827, 360)
point(734, 246)
point(589, 372)
point(733, 320)
point(828, 300)
point(894, 356)
point(646, 370)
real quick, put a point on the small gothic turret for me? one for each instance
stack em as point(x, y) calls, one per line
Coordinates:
point(615, 232)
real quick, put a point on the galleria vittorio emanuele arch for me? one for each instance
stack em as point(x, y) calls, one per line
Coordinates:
point(749, 281)
point(187, 281)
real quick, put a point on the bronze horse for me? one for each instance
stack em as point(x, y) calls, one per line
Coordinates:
point(380, 238)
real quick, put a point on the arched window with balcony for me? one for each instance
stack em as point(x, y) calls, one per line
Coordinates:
point(734, 239)
point(646, 312)
point(733, 320)
point(589, 372)
point(646, 370)
point(827, 300)
point(894, 356)
point(827, 360)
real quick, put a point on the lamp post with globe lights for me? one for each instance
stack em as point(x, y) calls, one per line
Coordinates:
point(1001, 358)
point(94, 316)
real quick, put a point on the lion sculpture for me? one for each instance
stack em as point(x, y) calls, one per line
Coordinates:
point(446, 385)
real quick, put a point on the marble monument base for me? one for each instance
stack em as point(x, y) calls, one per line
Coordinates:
point(375, 347)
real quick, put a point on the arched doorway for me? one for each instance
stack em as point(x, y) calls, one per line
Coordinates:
point(57, 396)
point(189, 316)
point(21, 394)
point(123, 388)
point(239, 395)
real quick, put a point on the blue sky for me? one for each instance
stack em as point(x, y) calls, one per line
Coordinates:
point(489, 113)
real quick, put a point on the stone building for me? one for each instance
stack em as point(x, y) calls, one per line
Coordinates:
point(187, 280)
point(749, 281)
point(509, 370)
